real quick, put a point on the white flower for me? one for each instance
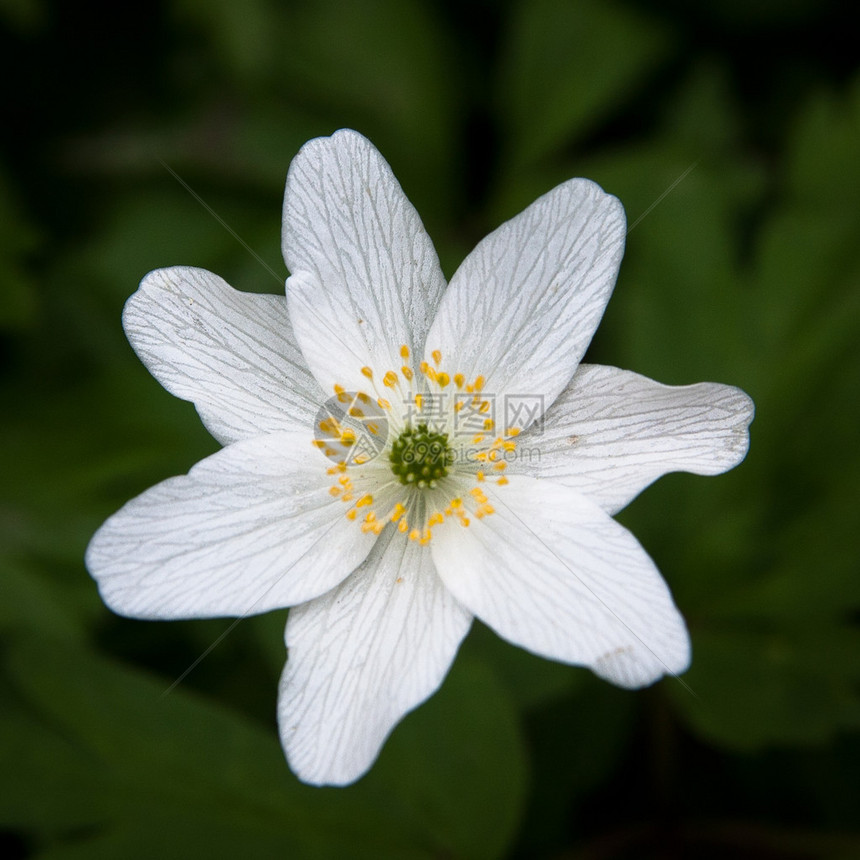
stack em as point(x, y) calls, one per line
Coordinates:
point(499, 508)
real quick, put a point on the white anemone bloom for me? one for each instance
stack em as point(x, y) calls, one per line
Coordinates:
point(499, 458)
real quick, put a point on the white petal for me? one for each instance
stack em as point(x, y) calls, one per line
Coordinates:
point(612, 432)
point(233, 354)
point(248, 529)
point(365, 276)
point(552, 572)
point(523, 306)
point(361, 657)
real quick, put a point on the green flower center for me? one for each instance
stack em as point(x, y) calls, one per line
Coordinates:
point(419, 457)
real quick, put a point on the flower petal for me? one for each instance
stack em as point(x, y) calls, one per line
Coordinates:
point(233, 354)
point(365, 276)
point(612, 432)
point(361, 657)
point(249, 529)
point(552, 572)
point(523, 306)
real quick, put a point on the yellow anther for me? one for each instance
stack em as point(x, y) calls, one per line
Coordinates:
point(334, 491)
point(339, 389)
point(458, 405)
point(502, 481)
point(350, 514)
point(464, 521)
point(362, 397)
point(345, 480)
point(442, 379)
point(485, 406)
point(419, 401)
point(318, 443)
point(509, 446)
point(425, 537)
point(482, 456)
point(364, 501)
point(513, 431)
point(459, 380)
point(457, 503)
point(407, 372)
point(437, 356)
point(492, 455)
point(479, 383)
point(489, 424)
point(479, 476)
point(340, 467)
point(414, 534)
point(501, 466)
point(398, 512)
point(390, 379)
point(403, 526)
point(383, 403)
point(436, 519)
point(367, 372)
point(404, 352)
point(347, 497)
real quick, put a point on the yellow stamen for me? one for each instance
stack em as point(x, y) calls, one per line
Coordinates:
point(442, 379)
point(390, 379)
point(407, 372)
point(367, 372)
point(404, 352)
point(437, 356)
point(459, 380)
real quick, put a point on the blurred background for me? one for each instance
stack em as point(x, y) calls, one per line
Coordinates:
point(731, 132)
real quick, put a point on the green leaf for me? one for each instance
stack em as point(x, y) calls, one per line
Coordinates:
point(755, 689)
point(178, 776)
point(566, 67)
